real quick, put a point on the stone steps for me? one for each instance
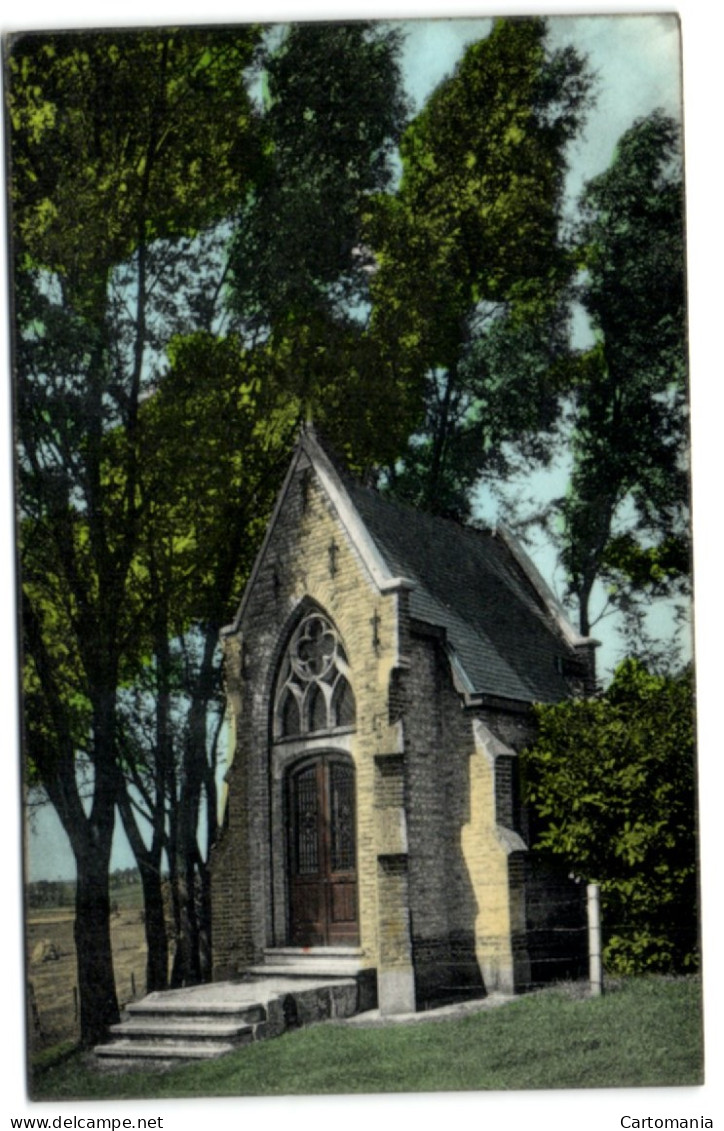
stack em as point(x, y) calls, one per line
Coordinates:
point(155, 1009)
point(202, 1022)
point(172, 1028)
point(127, 1053)
point(305, 962)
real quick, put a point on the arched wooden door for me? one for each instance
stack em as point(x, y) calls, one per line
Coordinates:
point(322, 853)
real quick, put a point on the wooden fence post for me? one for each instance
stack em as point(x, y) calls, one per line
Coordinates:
point(34, 1014)
point(594, 939)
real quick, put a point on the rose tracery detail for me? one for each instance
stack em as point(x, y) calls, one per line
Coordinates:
point(313, 649)
point(314, 693)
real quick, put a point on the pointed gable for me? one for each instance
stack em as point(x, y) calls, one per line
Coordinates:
point(506, 637)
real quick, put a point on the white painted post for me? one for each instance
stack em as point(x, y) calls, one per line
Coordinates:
point(594, 939)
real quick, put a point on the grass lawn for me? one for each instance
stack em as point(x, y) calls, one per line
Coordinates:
point(644, 1032)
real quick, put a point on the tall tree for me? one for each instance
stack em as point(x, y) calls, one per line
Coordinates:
point(195, 448)
point(221, 427)
point(122, 145)
point(626, 514)
point(469, 260)
point(216, 439)
point(332, 114)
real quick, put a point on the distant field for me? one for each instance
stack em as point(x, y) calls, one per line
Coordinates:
point(51, 966)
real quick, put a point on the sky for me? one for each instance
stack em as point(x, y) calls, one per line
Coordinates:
point(637, 58)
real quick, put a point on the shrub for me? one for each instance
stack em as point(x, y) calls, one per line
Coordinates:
point(610, 786)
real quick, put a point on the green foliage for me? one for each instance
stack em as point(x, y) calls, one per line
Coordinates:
point(110, 169)
point(652, 568)
point(50, 893)
point(333, 114)
point(611, 787)
point(214, 440)
point(469, 263)
point(120, 138)
point(626, 514)
point(126, 147)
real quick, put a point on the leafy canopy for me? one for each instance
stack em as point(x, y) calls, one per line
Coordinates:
point(332, 115)
point(121, 137)
point(626, 515)
point(330, 120)
point(468, 252)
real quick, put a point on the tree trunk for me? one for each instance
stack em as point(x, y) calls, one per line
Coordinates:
point(583, 596)
point(153, 788)
point(440, 439)
point(90, 836)
point(148, 861)
point(155, 926)
point(186, 969)
point(193, 932)
point(92, 933)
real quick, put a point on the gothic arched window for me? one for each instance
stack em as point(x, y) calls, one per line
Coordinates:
point(314, 695)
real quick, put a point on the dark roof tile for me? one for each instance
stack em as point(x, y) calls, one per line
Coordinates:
point(469, 583)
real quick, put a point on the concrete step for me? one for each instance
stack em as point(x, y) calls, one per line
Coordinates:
point(178, 1028)
point(127, 1051)
point(166, 1009)
point(293, 953)
point(300, 971)
point(201, 1022)
point(318, 962)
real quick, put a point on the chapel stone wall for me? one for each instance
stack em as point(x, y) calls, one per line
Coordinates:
point(467, 859)
point(309, 558)
point(442, 898)
point(444, 877)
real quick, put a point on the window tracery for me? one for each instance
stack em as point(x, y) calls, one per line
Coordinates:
point(314, 695)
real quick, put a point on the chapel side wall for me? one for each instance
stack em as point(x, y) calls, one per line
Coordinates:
point(442, 899)
point(556, 921)
point(495, 857)
point(241, 904)
point(467, 864)
point(551, 943)
point(231, 897)
point(298, 566)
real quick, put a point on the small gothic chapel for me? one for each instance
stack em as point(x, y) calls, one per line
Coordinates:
point(380, 674)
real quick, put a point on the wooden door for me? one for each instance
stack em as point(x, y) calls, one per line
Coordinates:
point(322, 857)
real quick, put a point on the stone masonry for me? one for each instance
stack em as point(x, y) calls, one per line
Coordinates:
point(442, 871)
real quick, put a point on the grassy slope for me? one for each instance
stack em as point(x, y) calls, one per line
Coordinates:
point(647, 1032)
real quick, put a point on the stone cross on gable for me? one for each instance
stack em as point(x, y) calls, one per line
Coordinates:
point(332, 550)
point(375, 623)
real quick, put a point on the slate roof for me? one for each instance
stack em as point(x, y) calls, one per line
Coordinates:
point(470, 583)
point(506, 635)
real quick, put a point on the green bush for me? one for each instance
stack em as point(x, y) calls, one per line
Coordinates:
point(610, 785)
